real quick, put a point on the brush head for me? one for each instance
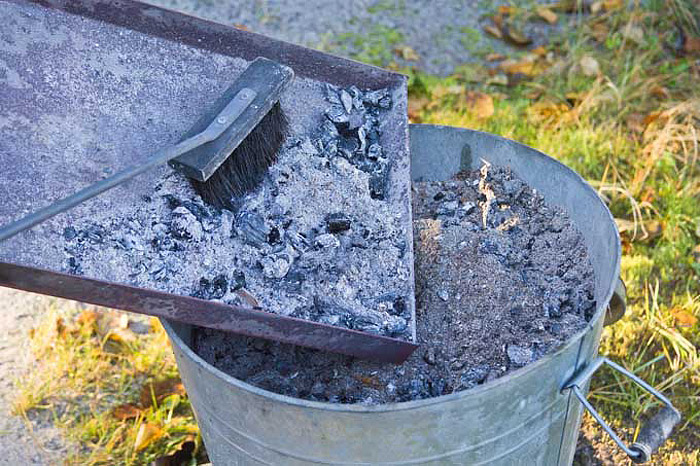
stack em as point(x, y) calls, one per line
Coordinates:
point(246, 166)
point(234, 162)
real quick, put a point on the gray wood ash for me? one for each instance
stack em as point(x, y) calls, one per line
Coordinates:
point(318, 240)
point(502, 279)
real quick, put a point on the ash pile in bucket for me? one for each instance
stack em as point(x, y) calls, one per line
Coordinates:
point(502, 279)
point(322, 238)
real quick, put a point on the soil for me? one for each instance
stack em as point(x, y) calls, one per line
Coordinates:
point(501, 280)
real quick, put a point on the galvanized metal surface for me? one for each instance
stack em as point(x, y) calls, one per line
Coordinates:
point(71, 85)
point(522, 418)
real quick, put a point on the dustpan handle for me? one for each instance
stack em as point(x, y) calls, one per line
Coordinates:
point(222, 121)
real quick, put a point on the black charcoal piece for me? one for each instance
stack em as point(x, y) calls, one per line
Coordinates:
point(338, 222)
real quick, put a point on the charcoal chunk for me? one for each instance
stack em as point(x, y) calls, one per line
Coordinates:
point(337, 222)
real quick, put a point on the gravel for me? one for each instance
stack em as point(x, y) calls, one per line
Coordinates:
point(502, 279)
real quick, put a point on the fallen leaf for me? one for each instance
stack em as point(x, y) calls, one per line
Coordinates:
point(415, 107)
point(495, 57)
point(87, 318)
point(515, 36)
point(494, 31)
point(611, 5)
point(539, 51)
point(691, 44)
point(568, 6)
point(126, 411)
point(407, 53)
point(549, 112)
point(523, 67)
point(589, 66)
point(683, 317)
point(60, 327)
point(147, 434)
point(660, 92)
point(600, 32)
point(547, 15)
point(241, 27)
point(369, 381)
point(159, 390)
point(506, 10)
point(481, 104)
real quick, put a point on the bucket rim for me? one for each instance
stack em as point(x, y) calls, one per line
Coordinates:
point(359, 408)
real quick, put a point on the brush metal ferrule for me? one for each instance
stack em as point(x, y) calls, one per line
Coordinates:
point(267, 80)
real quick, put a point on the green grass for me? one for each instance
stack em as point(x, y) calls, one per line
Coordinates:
point(648, 174)
point(90, 373)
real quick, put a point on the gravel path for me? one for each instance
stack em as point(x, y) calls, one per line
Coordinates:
point(19, 445)
point(444, 33)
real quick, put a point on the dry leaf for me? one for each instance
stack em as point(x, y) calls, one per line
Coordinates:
point(610, 5)
point(549, 112)
point(479, 103)
point(600, 32)
point(691, 44)
point(494, 31)
point(660, 92)
point(241, 27)
point(683, 317)
point(539, 51)
point(160, 390)
point(523, 67)
point(87, 318)
point(495, 57)
point(547, 15)
point(147, 434)
point(505, 10)
point(416, 106)
point(126, 411)
point(407, 53)
point(515, 36)
point(589, 66)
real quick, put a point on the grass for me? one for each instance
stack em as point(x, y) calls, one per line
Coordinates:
point(632, 130)
point(116, 395)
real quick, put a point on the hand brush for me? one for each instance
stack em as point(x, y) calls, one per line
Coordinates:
point(225, 154)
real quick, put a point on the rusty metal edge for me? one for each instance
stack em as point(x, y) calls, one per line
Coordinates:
point(254, 322)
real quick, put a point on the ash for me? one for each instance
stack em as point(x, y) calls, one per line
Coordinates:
point(501, 280)
point(320, 238)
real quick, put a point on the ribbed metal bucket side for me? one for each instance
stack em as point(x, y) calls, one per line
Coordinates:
point(522, 418)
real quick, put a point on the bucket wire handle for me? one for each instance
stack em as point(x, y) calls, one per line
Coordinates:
point(653, 433)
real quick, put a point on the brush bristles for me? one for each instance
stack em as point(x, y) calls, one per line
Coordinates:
point(245, 168)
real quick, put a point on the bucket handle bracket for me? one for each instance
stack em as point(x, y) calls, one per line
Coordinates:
point(653, 433)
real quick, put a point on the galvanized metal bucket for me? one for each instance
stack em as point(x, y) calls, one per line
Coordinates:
point(528, 417)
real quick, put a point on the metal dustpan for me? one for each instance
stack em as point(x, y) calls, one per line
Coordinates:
point(83, 87)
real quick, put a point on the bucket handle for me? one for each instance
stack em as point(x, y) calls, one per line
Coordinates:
point(653, 433)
